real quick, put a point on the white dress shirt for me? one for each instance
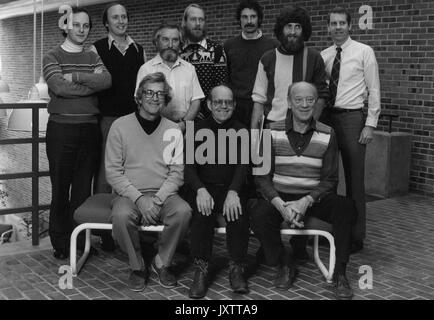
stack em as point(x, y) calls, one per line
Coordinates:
point(181, 77)
point(358, 76)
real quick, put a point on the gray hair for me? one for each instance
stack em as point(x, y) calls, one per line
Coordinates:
point(157, 77)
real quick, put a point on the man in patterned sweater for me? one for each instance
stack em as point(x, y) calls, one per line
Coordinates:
point(301, 184)
point(206, 55)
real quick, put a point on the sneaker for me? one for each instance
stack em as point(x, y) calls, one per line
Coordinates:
point(236, 278)
point(199, 286)
point(342, 287)
point(137, 280)
point(285, 277)
point(165, 277)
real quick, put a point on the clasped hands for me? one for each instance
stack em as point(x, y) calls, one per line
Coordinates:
point(149, 210)
point(293, 212)
point(231, 207)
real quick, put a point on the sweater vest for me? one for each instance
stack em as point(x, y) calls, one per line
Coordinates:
point(119, 99)
point(298, 174)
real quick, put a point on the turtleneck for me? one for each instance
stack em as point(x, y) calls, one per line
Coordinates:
point(148, 126)
point(70, 47)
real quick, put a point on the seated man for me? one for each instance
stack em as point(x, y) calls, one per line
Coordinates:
point(217, 188)
point(146, 170)
point(301, 183)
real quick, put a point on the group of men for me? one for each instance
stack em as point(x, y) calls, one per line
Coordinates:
point(112, 108)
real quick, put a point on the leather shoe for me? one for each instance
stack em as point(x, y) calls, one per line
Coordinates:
point(236, 278)
point(199, 286)
point(60, 254)
point(356, 246)
point(285, 277)
point(342, 287)
point(137, 280)
point(165, 277)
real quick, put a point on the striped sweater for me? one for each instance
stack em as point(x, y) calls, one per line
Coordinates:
point(312, 170)
point(89, 76)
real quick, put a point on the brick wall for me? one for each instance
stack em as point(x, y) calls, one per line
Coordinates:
point(402, 37)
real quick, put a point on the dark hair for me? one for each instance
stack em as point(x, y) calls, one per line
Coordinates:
point(156, 77)
point(340, 10)
point(295, 15)
point(106, 9)
point(250, 4)
point(166, 25)
point(78, 10)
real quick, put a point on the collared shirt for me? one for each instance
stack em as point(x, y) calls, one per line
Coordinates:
point(121, 49)
point(181, 77)
point(358, 76)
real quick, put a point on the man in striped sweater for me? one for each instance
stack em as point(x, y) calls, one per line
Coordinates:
point(302, 183)
point(74, 76)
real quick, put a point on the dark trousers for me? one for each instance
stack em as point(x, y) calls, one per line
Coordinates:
point(72, 152)
point(202, 228)
point(101, 185)
point(348, 127)
point(243, 111)
point(266, 223)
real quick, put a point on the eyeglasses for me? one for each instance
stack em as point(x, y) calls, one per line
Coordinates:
point(299, 100)
point(219, 103)
point(150, 94)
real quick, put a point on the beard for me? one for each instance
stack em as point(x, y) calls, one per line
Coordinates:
point(195, 36)
point(169, 54)
point(292, 45)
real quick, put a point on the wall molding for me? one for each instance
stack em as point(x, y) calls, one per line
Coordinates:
point(25, 7)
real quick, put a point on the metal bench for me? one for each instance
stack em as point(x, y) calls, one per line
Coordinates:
point(94, 214)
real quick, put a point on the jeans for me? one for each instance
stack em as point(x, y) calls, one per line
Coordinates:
point(72, 151)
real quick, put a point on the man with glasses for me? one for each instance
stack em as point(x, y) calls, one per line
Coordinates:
point(206, 55)
point(146, 170)
point(216, 188)
point(180, 74)
point(301, 184)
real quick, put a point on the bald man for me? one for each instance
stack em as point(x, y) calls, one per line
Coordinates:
point(217, 189)
point(301, 184)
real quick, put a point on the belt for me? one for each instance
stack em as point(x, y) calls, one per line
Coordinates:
point(341, 110)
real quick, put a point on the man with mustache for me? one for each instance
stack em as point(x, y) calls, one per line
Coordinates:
point(206, 55)
point(353, 71)
point(243, 53)
point(291, 62)
point(180, 74)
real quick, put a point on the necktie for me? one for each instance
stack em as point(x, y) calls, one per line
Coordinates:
point(334, 80)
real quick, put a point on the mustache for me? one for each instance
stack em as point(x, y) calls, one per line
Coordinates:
point(250, 25)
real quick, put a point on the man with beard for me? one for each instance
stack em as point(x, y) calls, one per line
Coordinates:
point(243, 53)
point(123, 57)
point(291, 62)
point(353, 71)
point(181, 75)
point(206, 55)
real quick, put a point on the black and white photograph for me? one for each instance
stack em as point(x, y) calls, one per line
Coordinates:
point(215, 157)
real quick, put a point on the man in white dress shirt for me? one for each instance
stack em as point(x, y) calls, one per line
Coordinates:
point(180, 74)
point(353, 73)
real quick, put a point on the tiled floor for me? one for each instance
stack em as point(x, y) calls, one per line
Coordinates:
point(399, 249)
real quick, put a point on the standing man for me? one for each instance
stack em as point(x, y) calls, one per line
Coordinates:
point(243, 53)
point(73, 76)
point(146, 170)
point(302, 184)
point(353, 70)
point(206, 55)
point(180, 74)
point(217, 188)
point(123, 57)
point(291, 62)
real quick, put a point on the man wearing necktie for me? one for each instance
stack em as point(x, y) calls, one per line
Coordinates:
point(353, 73)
